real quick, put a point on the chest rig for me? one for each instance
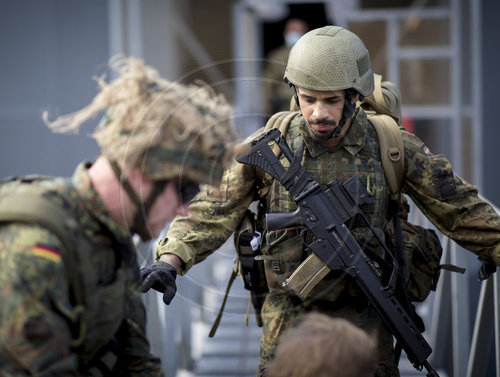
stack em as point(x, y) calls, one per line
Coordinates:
point(284, 249)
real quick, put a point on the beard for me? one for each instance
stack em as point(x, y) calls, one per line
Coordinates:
point(321, 136)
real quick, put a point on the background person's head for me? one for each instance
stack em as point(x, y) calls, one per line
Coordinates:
point(322, 346)
point(293, 30)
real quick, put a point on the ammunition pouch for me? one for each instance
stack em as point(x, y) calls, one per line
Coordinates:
point(422, 256)
point(252, 269)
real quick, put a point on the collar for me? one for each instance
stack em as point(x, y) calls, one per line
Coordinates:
point(353, 141)
point(92, 202)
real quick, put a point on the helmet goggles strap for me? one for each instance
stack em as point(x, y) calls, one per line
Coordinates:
point(139, 224)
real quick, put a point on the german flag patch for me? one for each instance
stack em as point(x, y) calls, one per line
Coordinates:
point(47, 252)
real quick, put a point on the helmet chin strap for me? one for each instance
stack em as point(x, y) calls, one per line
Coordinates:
point(139, 224)
point(295, 95)
point(347, 111)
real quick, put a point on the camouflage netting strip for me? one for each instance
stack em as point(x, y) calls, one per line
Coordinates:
point(140, 102)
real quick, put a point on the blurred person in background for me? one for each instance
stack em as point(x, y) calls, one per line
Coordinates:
point(70, 303)
point(276, 95)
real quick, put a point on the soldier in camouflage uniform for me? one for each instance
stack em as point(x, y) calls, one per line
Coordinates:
point(70, 303)
point(329, 70)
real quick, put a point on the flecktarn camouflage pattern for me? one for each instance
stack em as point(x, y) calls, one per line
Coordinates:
point(44, 330)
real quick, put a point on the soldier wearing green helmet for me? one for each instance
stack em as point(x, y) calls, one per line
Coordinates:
point(330, 74)
point(70, 303)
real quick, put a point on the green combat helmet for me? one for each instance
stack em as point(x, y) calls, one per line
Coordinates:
point(331, 58)
point(169, 131)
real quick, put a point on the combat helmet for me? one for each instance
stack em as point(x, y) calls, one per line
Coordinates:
point(164, 128)
point(169, 131)
point(330, 58)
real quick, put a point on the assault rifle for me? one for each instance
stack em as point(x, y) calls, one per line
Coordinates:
point(324, 212)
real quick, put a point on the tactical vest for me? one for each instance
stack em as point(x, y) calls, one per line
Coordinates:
point(284, 249)
point(96, 273)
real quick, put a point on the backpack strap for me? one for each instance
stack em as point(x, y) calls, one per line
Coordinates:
point(393, 163)
point(215, 325)
point(391, 151)
point(377, 92)
point(392, 156)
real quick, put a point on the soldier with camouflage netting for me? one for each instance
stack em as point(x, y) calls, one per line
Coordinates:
point(70, 302)
point(329, 72)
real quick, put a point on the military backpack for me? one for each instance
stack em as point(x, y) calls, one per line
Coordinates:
point(23, 200)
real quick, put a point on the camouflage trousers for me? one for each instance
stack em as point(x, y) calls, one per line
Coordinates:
point(281, 310)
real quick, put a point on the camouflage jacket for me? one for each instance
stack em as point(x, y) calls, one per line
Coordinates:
point(39, 318)
point(450, 203)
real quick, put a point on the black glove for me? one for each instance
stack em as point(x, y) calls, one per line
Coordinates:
point(487, 269)
point(161, 277)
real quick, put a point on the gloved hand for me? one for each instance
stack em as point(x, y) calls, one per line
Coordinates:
point(161, 277)
point(487, 269)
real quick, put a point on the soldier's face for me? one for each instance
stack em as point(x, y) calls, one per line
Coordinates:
point(322, 111)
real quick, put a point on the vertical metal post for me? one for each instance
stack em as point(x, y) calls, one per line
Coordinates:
point(246, 52)
point(476, 97)
point(460, 314)
point(441, 312)
point(496, 300)
point(456, 88)
point(460, 289)
point(482, 338)
point(124, 31)
point(392, 45)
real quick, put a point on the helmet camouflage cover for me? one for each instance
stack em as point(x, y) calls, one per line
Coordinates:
point(330, 58)
point(165, 129)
